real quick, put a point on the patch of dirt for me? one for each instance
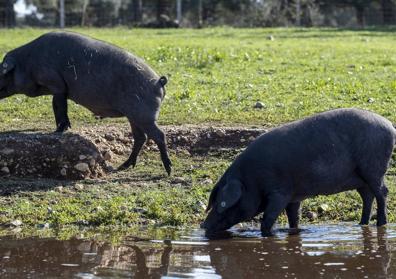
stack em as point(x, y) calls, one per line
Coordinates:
point(83, 153)
point(68, 156)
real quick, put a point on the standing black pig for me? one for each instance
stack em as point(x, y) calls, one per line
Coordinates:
point(99, 76)
point(327, 153)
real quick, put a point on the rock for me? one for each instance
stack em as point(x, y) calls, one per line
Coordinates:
point(178, 180)
point(323, 208)
point(220, 133)
point(16, 223)
point(63, 172)
point(125, 140)
point(82, 222)
point(92, 162)
point(107, 156)
point(5, 170)
point(109, 137)
point(311, 215)
point(139, 210)
point(110, 168)
point(82, 167)
point(97, 209)
point(259, 105)
point(59, 189)
point(82, 157)
point(201, 205)
point(7, 151)
point(118, 150)
point(207, 181)
point(44, 226)
point(79, 187)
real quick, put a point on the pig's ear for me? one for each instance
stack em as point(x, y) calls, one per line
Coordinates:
point(229, 195)
point(163, 81)
point(7, 65)
point(212, 198)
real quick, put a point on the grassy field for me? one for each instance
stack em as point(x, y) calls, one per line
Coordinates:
point(216, 77)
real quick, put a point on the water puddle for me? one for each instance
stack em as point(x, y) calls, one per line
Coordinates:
point(320, 251)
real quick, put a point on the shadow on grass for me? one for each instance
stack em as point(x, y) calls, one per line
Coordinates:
point(15, 185)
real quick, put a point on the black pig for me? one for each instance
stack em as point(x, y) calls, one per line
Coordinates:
point(99, 76)
point(324, 154)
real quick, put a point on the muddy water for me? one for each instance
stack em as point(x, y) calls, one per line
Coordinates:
point(322, 251)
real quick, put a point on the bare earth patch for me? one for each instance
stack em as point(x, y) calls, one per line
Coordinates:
point(88, 152)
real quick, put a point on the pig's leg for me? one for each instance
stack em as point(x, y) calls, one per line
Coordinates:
point(380, 197)
point(367, 197)
point(154, 133)
point(380, 192)
point(56, 85)
point(276, 204)
point(139, 138)
point(293, 214)
point(59, 105)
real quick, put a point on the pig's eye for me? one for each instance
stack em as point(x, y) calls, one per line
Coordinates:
point(223, 204)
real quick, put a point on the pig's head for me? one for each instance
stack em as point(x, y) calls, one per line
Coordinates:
point(230, 203)
point(6, 77)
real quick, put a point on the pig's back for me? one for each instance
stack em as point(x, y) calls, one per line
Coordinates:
point(340, 137)
point(93, 69)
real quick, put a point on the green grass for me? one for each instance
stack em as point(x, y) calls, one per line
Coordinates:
point(145, 196)
point(216, 76)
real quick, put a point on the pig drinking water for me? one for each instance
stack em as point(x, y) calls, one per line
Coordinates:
point(327, 153)
point(99, 76)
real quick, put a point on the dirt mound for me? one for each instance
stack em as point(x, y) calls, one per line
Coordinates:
point(67, 156)
point(84, 152)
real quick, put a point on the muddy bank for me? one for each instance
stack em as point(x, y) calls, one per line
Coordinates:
point(90, 152)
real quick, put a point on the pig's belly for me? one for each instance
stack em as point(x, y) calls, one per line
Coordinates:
point(105, 112)
point(98, 109)
point(307, 189)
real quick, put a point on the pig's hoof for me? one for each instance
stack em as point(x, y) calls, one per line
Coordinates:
point(168, 167)
point(381, 224)
point(294, 231)
point(110, 169)
point(127, 164)
point(62, 127)
point(266, 233)
point(168, 170)
point(122, 167)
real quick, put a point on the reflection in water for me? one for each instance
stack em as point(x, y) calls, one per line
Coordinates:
point(317, 252)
